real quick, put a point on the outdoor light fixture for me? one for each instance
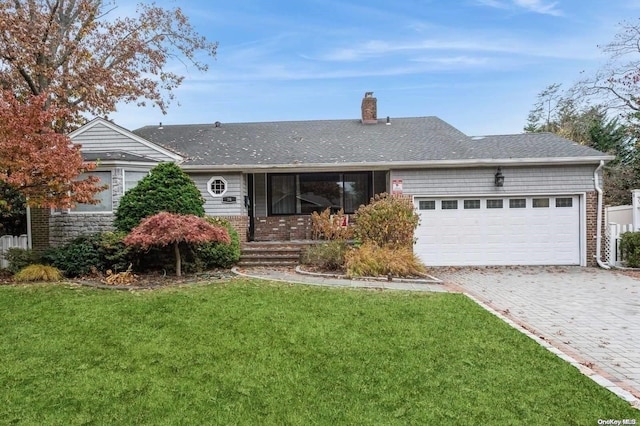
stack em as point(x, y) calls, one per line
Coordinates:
point(499, 178)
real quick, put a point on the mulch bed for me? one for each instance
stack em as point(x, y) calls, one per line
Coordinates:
point(146, 281)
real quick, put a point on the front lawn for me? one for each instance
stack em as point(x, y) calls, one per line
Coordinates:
point(250, 352)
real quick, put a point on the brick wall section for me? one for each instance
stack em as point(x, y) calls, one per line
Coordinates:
point(39, 229)
point(592, 220)
point(283, 228)
point(240, 224)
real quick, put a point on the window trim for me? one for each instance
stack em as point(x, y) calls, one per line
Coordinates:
point(215, 178)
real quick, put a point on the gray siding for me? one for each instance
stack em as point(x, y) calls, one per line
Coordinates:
point(518, 180)
point(214, 206)
point(102, 138)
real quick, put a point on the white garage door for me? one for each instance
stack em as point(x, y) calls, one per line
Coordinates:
point(541, 230)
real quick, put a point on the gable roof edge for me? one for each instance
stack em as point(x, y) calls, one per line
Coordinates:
point(116, 128)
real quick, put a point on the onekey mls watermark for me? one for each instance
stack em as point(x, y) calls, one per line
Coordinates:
point(617, 422)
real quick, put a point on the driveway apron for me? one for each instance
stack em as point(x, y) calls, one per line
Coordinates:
point(591, 314)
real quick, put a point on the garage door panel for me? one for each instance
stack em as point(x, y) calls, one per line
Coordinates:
point(500, 236)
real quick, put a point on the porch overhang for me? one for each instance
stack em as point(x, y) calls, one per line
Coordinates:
point(386, 165)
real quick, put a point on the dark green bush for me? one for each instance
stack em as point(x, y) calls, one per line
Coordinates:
point(167, 188)
point(113, 253)
point(76, 258)
point(218, 255)
point(21, 258)
point(630, 248)
point(95, 252)
point(195, 258)
point(327, 256)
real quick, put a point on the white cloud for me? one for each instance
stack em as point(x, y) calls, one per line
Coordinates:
point(471, 43)
point(535, 6)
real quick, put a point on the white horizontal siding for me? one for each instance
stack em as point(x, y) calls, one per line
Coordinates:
point(517, 180)
point(214, 206)
point(102, 138)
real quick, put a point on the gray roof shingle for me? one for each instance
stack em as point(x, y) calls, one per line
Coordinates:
point(116, 155)
point(529, 145)
point(420, 140)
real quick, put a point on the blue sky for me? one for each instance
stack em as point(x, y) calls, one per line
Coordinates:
point(477, 64)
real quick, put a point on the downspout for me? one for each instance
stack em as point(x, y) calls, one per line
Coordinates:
point(599, 217)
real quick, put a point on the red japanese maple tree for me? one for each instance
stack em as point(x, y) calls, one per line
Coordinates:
point(36, 161)
point(165, 229)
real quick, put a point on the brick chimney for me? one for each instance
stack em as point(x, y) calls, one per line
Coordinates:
point(369, 109)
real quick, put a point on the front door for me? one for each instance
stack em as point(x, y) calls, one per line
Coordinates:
point(250, 208)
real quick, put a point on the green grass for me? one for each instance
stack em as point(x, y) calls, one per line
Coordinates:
point(249, 352)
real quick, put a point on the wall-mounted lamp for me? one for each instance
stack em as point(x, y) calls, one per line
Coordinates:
point(499, 178)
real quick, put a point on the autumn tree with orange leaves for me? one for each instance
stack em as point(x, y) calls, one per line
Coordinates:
point(37, 162)
point(88, 61)
point(64, 60)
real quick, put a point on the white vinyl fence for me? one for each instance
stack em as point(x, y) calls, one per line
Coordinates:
point(10, 241)
point(620, 219)
point(614, 232)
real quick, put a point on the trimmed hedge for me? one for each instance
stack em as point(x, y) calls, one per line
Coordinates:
point(219, 255)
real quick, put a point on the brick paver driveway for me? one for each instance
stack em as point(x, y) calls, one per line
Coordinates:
point(591, 314)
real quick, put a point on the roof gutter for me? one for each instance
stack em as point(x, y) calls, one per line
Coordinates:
point(385, 165)
point(596, 180)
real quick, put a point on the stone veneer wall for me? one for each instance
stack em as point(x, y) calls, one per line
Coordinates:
point(283, 228)
point(67, 226)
